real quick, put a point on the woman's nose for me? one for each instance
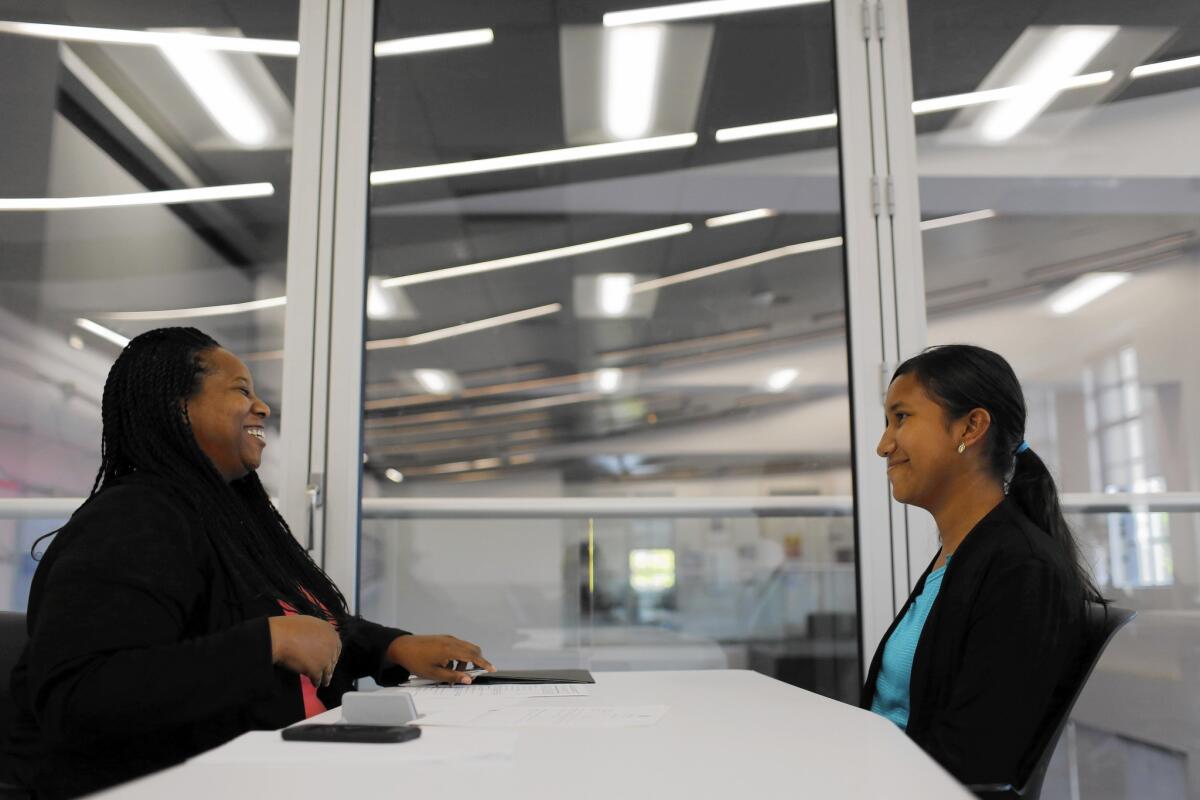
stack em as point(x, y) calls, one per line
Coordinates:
point(886, 445)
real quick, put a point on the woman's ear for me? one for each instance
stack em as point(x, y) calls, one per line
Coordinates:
point(975, 426)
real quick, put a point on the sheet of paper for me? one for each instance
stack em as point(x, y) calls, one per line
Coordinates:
point(441, 744)
point(567, 716)
point(504, 690)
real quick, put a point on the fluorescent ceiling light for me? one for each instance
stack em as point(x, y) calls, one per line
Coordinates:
point(1084, 289)
point(777, 128)
point(1065, 50)
point(102, 332)
point(932, 105)
point(929, 105)
point(534, 258)
point(541, 158)
point(380, 302)
point(199, 311)
point(699, 10)
point(616, 293)
point(780, 379)
point(741, 216)
point(632, 56)
point(435, 381)
point(76, 33)
point(738, 263)
point(165, 197)
point(236, 44)
point(394, 475)
point(466, 327)
point(435, 41)
point(608, 380)
point(957, 219)
point(1165, 66)
point(225, 96)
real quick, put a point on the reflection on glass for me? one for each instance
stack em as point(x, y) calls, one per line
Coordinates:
point(1078, 135)
point(772, 594)
point(605, 297)
point(145, 176)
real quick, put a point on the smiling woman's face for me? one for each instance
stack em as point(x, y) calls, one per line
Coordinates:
point(227, 416)
point(919, 445)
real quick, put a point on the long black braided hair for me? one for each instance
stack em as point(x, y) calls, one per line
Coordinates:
point(146, 430)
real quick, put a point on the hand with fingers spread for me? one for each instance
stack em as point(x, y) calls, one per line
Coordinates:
point(307, 645)
point(442, 658)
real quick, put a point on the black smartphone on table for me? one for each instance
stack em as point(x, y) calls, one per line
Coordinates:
point(341, 732)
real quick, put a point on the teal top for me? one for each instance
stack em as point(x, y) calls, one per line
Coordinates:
point(891, 688)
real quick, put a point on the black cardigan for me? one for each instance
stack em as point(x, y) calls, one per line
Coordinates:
point(137, 658)
point(995, 652)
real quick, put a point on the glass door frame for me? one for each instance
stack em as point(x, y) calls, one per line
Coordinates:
point(875, 337)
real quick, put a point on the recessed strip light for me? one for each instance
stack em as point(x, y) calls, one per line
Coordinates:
point(1165, 66)
point(738, 263)
point(741, 216)
point(777, 128)
point(434, 41)
point(197, 312)
point(957, 219)
point(466, 327)
point(534, 258)
point(166, 197)
point(75, 33)
point(102, 332)
point(929, 105)
point(541, 158)
point(698, 10)
point(932, 105)
point(1084, 289)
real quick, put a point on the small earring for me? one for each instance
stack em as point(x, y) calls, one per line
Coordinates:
point(962, 446)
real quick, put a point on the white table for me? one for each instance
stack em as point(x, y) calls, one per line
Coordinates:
point(728, 733)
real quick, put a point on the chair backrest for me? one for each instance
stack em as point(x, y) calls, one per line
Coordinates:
point(12, 642)
point(1101, 625)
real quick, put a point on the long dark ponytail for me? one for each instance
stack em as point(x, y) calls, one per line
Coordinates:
point(961, 377)
point(146, 430)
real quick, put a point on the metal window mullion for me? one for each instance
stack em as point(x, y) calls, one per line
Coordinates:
point(898, 136)
point(873, 525)
point(343, 443)
point(884, 188)
point(305, 207)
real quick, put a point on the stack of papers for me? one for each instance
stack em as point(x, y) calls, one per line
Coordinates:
point(502, 690)
point(561, 716)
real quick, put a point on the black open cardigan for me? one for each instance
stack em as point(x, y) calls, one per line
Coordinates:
point(996, 652)
point(137, 659)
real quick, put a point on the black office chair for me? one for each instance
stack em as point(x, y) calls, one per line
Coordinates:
point(12, 642)
point(1102, 624)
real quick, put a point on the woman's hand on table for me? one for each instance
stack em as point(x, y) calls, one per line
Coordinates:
point(307, 645)
point(442, 658)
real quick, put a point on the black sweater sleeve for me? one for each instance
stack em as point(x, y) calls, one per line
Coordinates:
point(364, 651)
point(1010, 668)
point(108, 652)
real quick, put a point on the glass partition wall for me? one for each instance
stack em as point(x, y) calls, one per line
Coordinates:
point(603, 277)
point(1064, 136)
point(145, 177)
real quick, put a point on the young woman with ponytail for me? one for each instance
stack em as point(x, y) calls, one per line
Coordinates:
point(175, 610)
point(983, 648)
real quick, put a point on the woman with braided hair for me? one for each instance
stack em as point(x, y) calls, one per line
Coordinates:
point(989, 641)
point(175, 610)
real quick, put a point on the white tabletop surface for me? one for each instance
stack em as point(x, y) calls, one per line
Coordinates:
point(727, 733)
